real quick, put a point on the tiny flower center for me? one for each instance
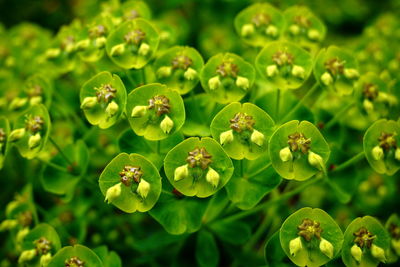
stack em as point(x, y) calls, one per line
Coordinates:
point(67, 42)
point(135, 36)
point(181, 62)
point(363, 238)
point(74, 262)
point(297, 141)
point(35, 90)
point(309, 229)
point(2, 136)
point(302, 21)
point(261, 19)
point(160, 104)
point(132, 14)
point(97, 31)
point(335, 66)
point(282, 58)
point(241, 122)
point(42, 245)
point(105, 93)
point(34, 123)
point(394, 231)
point(130, 174)
point(199, 157)
point(370, 91)
point(387, 141)
point(25, 218)
point(228, 68)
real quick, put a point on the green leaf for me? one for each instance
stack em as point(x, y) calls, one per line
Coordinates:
point(77, 252)
point(109, 258)
point(207, 253)
point(4, 145)
point(233, 232)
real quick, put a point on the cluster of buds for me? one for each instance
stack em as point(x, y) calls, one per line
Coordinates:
point(303, 26)
point(298, 143)
point(74, 262)
point(309, 230)
point(33, 127)
point(394, 231)
point(242, 123)
point(387, 142)
point(135, 38)
point(284, 61)
point(161, 106)
point(260, 22)
point(42, 249)
point(179, 62)
point(228, 69)
point(97, 35)
point(363, 240)
point(198, 158)
point(129, 175)
point(334, 68)
point(34, 93)
point(104, 96)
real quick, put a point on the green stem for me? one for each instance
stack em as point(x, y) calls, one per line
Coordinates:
point(301, 102)
point(338, 115)
point(131, 80)
point(266, 166)
point(55, 166)
point(350, 161)
point(143, 76)
point(277, 104)
point(158, 145)
point(60, 151)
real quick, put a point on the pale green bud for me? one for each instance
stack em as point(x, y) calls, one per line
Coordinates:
point(17, 103)
point(139, 111)
point(117, 50)
point(12, 205)
point(226, 137)
point(257, 138)
point(181, 172)
point(285, 154)
point(212, 177)
point(45, 260)
point(144, 49)
point(164, 71)
point(378, 253)
point(295, 246)
point(326, 247)
point(396, 246)
point(351, 73)
point(69, 48)
point(356, 252)
point(89, 102)
point(326, 78)
point(16, 134)
point(397, 154)
point(143, 188)
point(247, 30)
point(53, 52)
point(242, 82)
point(294, 29)
point(272, 31)
point(164, 36)
point(272, 70)
point(113, 193)
point(27, 255)
point(368, 105)
point(298, 71)
point(82, 45)
point(313, 34)
point(35, 100)
point(112, 109)
point(8, 225)
point(166, 124)
point(21, 234)
point(382, 191)
point(190, 74)
point(315, 160)
point(377, 153)
point(101, 42)
point(34, 141)
point(214, 83)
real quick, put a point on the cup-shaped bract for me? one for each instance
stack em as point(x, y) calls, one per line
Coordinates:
point(134, 9)
point(303, 27)
point(38, 90)
point(227, 77)
point(155, 111)
point(179, 68)
point(131, 183)
point(198, 167)
point(259, 24)
point(393, 227)
point(103, 99)
point(132, 44)
point(336, 69)
point(310, 237)
point(4, 133)
point(77, 255)
point(382, 146)
point(284, 65)
point(236, 126)
point(298, 150)
point(31, 130)
point(365, 243)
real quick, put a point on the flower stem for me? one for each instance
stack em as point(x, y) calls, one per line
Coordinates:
point(338, 115)
point(277, 104)
point(350, 161)
point(60, 151)
point(53, 165)
point(158, 145)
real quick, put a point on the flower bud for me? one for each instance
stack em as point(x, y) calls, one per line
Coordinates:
point(112, 109)
point(295, 246)
point(212, 177)
point(164, 71)
point(294, 29)
point(351, 73)
point(378, 253)
point(313, 34)
point(190, 74)
point(377, 153)
point(272, 31)
point(382, 191)
point(356, 252)
point(242, 82)
point(272, 70)
point(144, 49)
point(8, 225)
point(17, 103)
point(16, 134)
point(166, 124)
point(139, 111)
point(326, 247)
point(45, 260)
point(21, 234)
point(368, 105)
point(326, 79)
point(214, 83)
point(247, 30)
point(285, 154)
point(69, 48)
point(257, 138)
point(298, 71)
point(143, 188)
point(53, 52)
point(397, 154)
point(226, 137)
point(27, 255)
point(165, 36)
point(315, 160)
point(89, 102)
point(34, 141)
point(396, 246)
point(82, 45)
point(117, 50)
point(113, 192)
point(100, 42)
point(35, 100)
point(181, 172)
